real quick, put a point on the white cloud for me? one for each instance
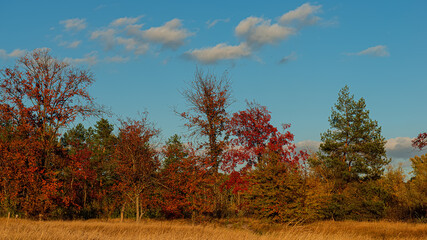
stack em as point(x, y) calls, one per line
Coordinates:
point(124, 21)
point(135, 31)
point(304, 14)
point(117, 59)
point(133, 45)
point(17, 53)
point(221, 51)
point(128, 33)
point(258, 31)
point(171, 34)
point(129, 43)
point(401, 147)
point(254, 32)
point(210, 23)
point(377, 51)
point(107, 37)
point(90, 58)
point(308, 145)
point(398, 143)
point(75, 24)
point(14, 54)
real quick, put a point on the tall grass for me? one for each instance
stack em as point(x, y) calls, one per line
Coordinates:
point(166, 230)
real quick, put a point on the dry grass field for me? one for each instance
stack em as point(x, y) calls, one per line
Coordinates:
point(240, 229)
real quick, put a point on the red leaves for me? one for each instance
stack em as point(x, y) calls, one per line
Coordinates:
point(420, 141)
point(93, 171)
point(188, 186)
point(136, 160)
point(256, 142)
point(237, 182)
point(39, 96)
point(255, 136)
point(134, 155)
point(47, 92)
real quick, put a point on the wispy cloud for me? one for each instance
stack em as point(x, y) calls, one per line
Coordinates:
point(17, 53)
point(212, 23)
point(303, 15)
point(377, 51)
point(171, 34)
point(90, 59)
point(117, 59)
point(258, 31)
point(130, 44)
point(67, 44)
point(124, 21)
point(14, 54)
point(100, 7)
point(73, 44)
point(286, 59)
point(106, 37)
point(75, 24)
point(221, 51)
point(127, 32)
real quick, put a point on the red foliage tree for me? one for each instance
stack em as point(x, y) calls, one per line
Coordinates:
point(255, 137)
point(420, 141)
point(187, 185)
point(25, 189)
point(48, 92)
point(136, 160)
point(38, 97)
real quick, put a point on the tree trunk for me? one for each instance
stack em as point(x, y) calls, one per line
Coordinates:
point(193, 217)
point(137, 206)
point(84, 196)
point(122, 212)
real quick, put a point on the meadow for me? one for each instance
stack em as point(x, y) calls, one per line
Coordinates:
point(237, 229)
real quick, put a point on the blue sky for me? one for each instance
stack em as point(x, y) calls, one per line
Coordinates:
point(291, 56)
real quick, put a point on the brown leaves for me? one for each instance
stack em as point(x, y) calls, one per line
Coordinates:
point(208, 98)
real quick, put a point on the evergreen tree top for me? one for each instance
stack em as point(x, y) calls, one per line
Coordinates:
point(354, 142)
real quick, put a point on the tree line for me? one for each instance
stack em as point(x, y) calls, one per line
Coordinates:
point(239, 165)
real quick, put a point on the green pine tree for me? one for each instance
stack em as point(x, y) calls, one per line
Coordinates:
point(353, 149)
point(174, 151)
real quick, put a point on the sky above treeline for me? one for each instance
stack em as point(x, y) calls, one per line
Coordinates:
point(291, 56)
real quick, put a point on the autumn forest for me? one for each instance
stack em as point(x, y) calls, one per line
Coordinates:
point(236, 164)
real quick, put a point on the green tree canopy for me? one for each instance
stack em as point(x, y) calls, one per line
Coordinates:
point(353, 148)
point(173, 151)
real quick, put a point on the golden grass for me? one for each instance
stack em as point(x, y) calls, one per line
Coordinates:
point(166, 230)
